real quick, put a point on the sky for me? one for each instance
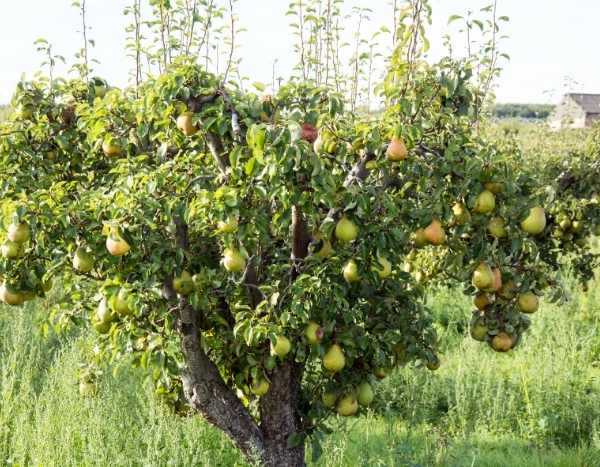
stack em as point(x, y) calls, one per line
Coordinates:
point(552, 43)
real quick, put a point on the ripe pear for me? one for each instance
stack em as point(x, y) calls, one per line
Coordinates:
point(228, 226)
point(233, 261)
point(120, 303)
point(364, 394)
point(483, 277)
point(281, 347)
point(18, 233)
point(184, 284)
point(478, 330)
point(346, 230)
point(260, 387)
point(10, 296)
point(496, 227)
point(502, 342)
point(313, 333)
point(419, 238)
point(535, 222)
point(329, 398)
point(82, 260)
point(528, 302)
point(350, 272)
point(461, 214)
point(10, 249)
point(334, 359)
point(482, 300)
point(485, 202)
point(396, 150)
point(111, 148)
point(116, 245)
point(386, 267)
point(434, 233)
point(185, 124)
point(347, 405)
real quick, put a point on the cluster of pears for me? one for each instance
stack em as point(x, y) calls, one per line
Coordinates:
point(570, 228)
point(493, 295)
point(17, 235)
point(433, 234)
point(109, 309)
point(326, 142)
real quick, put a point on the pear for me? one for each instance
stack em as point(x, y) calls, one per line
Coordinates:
point(313, 333)
point(10, 296)
point(461, 214)
point(228, 226)
point(483, 277)
point(565, 224)
point(482, 300)
point(260, 387)
point(380, 372)
point(116, 245)
point(419, 238)
point(82, 260)
point(494, 187)
point(346, 230)
point(434, 233)
point(396, 150)
point(318, 145)
point(329, 398)
point(364, 394)
point(350, 272)
point(111, 148)
point(433, 364)
point(478, 330)
point(347, 405)
point(120, 302)
point(386, 267)
point(99, 326)
point(535, 222)
point(528, 302)
point(87, 389)
point(325, 250)
point(184, 284)
point(185, 124)
point(233, 261)
point(496, 227)
point(334, 359)
point(577, 226)
point(281, 347)
point(103, 312)
point(18, 233)
point(508, 290)
point(10, 249)
point(485, 202)
point(497, 283)
point(502, 342)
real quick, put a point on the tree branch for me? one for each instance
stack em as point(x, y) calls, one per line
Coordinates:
point(300, 240)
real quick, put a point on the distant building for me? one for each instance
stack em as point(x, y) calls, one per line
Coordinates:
point(575, 111)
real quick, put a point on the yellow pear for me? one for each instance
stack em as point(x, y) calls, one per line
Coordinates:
point(334, 359)
point(281, 347)
point(482, 300)
point(502, 342)
point(350, 272)
point(434, 233)
point(10, 249)
point(528, 302)
point(260, 387)
point(18, 233)
point(461, 214)
point(485, 202)
point(535, 222)
point(483, 277)
point(364, 394)
point(386, 267)
point(396, 150)
point(228, 226)
point(346, 230)
point(10, 296)
point(496, 227)
point(111, 148)
point(185, 124)
point(116, 245)
point(347, 405)
point(233, 261)
point(313, 333)
point(82, 260)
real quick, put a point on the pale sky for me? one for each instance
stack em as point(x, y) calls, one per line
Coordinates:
point(549, 40)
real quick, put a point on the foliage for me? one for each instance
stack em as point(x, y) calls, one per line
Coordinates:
point(523, 111)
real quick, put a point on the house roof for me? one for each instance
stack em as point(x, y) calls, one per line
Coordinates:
point(590, 103)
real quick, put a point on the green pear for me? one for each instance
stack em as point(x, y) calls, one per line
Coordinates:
point(346, 230)
point(380, 372)
point(10, 249)
point(18, 233)
point(120, 302)
point(228, 226)
point(334, 359)
point(535, 222)
point(347, 405)
point(260, 387)
point(478, 330)
point(10, 296)
point(281, 347)
point(364, 394)
point(233, 261)
point(103, 312)
point(184, 284)
point(485, 202)
point(528, 302)
point(502, 342)
point(496, 227)
point(329, 398)
point(419, 238)
point(386, 267)
point(313, 333)
point(350, 272)
point(82, 260)
point(483, 277)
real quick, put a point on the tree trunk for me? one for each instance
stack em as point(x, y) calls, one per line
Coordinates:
point(280, 417)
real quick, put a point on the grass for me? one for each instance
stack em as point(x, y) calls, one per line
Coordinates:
point(538, 406)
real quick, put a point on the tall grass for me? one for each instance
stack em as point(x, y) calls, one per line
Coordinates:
point(537, 406)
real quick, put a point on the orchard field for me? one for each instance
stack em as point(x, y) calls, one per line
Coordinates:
point(539, 406)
